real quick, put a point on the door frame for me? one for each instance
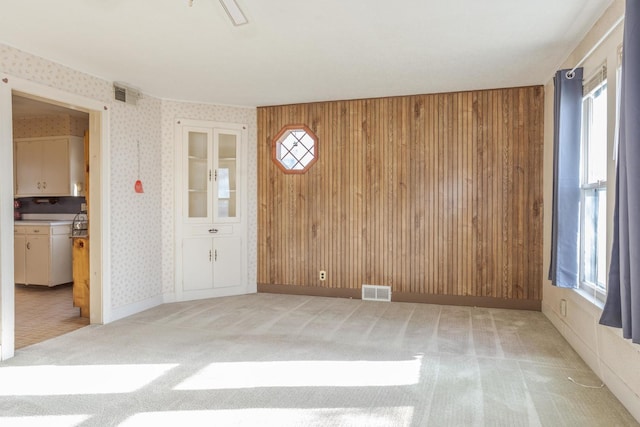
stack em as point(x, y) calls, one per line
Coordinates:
point(99, 179)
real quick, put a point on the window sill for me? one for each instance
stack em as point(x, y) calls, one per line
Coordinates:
point(590, 298)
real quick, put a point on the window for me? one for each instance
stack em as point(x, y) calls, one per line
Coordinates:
point(593, 188)
point(295, 149)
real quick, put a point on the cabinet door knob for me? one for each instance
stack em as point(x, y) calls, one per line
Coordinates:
point(213, 230)
point(28, 245)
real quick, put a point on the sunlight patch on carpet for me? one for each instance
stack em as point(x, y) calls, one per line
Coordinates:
point(49, 380)
point(300, 373)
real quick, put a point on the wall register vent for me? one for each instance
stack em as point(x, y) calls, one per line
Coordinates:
point(126, 94)
point(376, 293)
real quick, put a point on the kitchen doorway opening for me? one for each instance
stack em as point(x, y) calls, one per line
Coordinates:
point(51, 276)
point(98, 203)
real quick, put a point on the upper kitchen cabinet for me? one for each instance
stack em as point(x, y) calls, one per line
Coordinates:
point(49, 166)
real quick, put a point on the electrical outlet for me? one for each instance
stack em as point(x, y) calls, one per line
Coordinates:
point(323, 275)
point(83, 207)
point(563, 307)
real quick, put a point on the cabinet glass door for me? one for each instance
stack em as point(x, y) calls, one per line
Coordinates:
point(226, 175)
point(198, 143)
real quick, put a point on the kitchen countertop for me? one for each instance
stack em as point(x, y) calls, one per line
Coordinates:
point(42, 222)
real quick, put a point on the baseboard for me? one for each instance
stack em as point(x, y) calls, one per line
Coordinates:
point(134, 308)
point(621, 390)
point(487, 302)
point(169, 297)
point(600, 363)
point(469, 301)
point(309, 290)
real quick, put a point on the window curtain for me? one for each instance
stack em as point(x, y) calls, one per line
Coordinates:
point(563, 269)
point(622, 308)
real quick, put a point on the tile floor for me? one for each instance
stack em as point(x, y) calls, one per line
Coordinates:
point(43, 313)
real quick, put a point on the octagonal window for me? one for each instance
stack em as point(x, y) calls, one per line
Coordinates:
point(295, 148)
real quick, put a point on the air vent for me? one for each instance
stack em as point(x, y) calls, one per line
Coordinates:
point(126, 94)
point(376, 293)
point(120, 94)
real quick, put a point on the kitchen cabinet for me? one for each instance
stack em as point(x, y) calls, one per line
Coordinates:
point(42, 253)
point(211, 263)
point(49, 166)
point(212, 196)
point(19, 255)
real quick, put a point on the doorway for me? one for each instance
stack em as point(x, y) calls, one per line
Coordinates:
point(98, 128)
point(43, 312)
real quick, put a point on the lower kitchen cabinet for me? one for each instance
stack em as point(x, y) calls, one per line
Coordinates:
point(42, 254)
point(19, 256)
point(211, 263)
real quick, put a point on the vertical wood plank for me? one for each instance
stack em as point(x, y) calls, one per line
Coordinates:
point(430, 194)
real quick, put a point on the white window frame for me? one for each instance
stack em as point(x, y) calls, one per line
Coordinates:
point(597, 291)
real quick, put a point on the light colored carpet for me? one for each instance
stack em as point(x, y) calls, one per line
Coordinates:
point(283, 360)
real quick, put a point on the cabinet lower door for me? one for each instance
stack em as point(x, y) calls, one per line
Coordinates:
point(197, 264)
point(211, 266)
point(37, 260)
point(227, 270)
point(19, 261)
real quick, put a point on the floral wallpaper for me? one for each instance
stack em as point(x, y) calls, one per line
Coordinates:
point(136, 231)
point(56, 125)
point(142, 230)
point(30, 67)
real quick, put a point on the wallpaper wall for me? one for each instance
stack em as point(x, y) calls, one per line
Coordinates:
point(142, 228)
point(135, 218)
point(29, 67)
point(171, 110)
point(141, 224)
point(55, 125)
point(136, 230)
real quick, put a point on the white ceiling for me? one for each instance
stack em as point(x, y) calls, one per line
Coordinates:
point(295, 51)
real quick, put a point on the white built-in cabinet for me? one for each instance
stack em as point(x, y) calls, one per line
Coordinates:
point(42, 254)
point(211, 198)
point(49, 166)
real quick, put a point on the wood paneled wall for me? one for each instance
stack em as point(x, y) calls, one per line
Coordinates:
point(429, 194)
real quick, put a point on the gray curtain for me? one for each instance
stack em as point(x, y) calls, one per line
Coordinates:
point(563, 269)
point(622, 308)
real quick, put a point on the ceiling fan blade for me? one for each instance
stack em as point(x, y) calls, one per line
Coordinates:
point(234, 12)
